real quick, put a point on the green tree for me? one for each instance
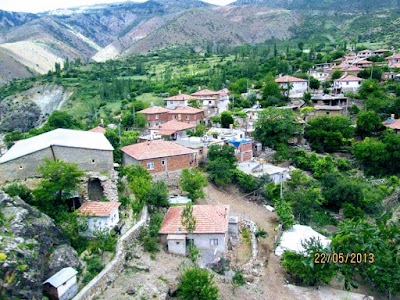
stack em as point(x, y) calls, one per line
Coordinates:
point(226, 119)
point(303, 268)
point(378, 244)
point(194, 103)
point(187, 218)
point(272, 89)
point(276, 126)
point(59, 181)
point(369, 123)
point(221, 164)
point(158, 194)
point(193, 181)
point(314, 83)
point(336, 74)
point(373, 156)
point(329, 134)
point(197, 284)
point(61, 119)
point(139, 182)
point(129, 138)
point(285, 213)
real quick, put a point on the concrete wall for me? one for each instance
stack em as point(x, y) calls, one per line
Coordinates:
point(95, 287)
point(177, 247)
point(26, 166)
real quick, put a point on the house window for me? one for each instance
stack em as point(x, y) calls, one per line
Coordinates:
point(195, 117)
point(174, 117)
point(93, 161)
point(148, 117)
point(214, 242)
point(163, 162)
point(347, 83)
point(187, 118)
point(150, 166)
point(201, 151)
point(21, 167)
point(209, 102)
point(157, 117)
point(177, 243)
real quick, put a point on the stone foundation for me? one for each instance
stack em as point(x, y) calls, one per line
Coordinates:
point(170, 178)
point(107, 182)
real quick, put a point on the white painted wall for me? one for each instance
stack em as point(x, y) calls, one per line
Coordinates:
point(348, 85)
point(177, 247)
point(172, 104)
point(95, 223)
point(64, 288)
point(297, 87)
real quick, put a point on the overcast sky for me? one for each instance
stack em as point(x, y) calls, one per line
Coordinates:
point(43, 5)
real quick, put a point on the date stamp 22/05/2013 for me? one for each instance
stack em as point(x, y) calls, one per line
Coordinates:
point(344, 258)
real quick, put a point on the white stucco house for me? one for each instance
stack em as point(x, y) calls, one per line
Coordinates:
point(210, 235)
point(347, 83)
point(178, 100)
point(296, 86)
point(213, 102)
point(62, 285)
point(100, 216)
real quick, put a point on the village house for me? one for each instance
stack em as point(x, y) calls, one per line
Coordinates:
point(394, 61)
point(393, 123)
point(380, 52)
point(159, 156)
point(62, 285)
point(99, 216)
point(324, 110)
point(198, 144)
point(296, 86)
point(243, 148)
point(365, 53)
point(172, 130)
point(89, 150)
point(155, 115)
point(363, 63)
point(223, 134)
point(178, 100)
point(213, 102)
point(331, 100)
point(320, 75)
point(186, 114)
point(260, 168)
point(210, 235)
point(347, 83)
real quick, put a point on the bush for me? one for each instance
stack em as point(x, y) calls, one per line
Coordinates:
point(19, 190)
point(352, 212)
point(197, 284)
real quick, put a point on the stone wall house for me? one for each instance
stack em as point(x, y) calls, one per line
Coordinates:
point(62, 285)
point(159, 156)
point(210, 235)
point(99, 216)
point(90, 151)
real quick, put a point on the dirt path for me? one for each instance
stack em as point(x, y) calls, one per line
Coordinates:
point(272, 282)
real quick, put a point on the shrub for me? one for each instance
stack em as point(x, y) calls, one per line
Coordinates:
point(197, 284)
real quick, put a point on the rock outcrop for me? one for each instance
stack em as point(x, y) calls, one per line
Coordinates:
point(32, 249)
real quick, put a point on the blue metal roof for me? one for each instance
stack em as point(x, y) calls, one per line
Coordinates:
point(237, 142)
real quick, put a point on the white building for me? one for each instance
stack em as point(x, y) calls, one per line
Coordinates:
point(320, 75)
point(365, 53)
point(210, 235)
point(225, 133)
point(213, 102)
point(100, 216)
point(62, 285)
point(258, 169)
point(296, 86)
point(347, 83)
point(178, 100)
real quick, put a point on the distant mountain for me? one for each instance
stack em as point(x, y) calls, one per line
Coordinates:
point(338, 6)
point(33, 43)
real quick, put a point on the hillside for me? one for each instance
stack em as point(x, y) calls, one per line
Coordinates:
point(338, 6)
point(35, 42)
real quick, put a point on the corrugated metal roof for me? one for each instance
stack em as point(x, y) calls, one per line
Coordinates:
point(61, 277)
point(58, 137)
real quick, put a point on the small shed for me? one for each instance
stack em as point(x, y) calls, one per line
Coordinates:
point(62, 285)
point(100, 216)
point(176, 243)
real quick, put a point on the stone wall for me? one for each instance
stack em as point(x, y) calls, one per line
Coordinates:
point(171, 178)
point(95, 287)
point(108, 183)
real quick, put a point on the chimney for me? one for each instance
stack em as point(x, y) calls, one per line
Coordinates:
point(180, 92)
point(231, 126)
point(226, 212)
point(392, 116)
point(199, 88)
point(102, 122)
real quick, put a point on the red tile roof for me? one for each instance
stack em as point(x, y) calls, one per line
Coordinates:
point(154, 110)
point(349, 78)
point(155, 149)
point(209, 219)
point(395, 66)
point(171, 127)
point(352, 69)
point(394, 125)
point(287, 78)
point(98, 209)
point(98, 129)
point(205, 93)
point(394, 56)
point(363, 62)
point(180, 97)
point(186, 110)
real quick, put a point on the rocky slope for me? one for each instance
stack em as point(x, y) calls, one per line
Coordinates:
point(32, 249)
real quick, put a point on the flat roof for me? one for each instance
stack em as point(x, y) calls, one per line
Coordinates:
point(261, 169)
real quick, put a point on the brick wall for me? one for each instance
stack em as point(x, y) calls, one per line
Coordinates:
point(154, 119)
point(246, 151)
point(187, 118)
point(170, 164)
